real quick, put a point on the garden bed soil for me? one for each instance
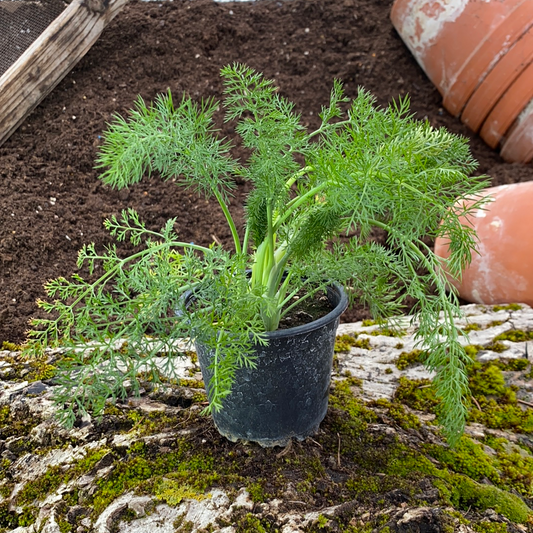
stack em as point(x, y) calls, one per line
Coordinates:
point(51, 200)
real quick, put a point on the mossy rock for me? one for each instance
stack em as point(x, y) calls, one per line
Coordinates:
point(469, 493)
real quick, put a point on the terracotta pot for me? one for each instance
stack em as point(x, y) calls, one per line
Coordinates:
point(479, 54)
point(502, 272)
point(457, 42)
point(518, 146)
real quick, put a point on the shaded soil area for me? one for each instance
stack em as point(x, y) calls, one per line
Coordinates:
point(51, 200)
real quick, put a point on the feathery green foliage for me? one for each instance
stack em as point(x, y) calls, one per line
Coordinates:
point(307, 225)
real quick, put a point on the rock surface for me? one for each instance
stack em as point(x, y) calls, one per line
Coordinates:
point(140, 468)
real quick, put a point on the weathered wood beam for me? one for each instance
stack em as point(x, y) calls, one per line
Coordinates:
point(49, 59)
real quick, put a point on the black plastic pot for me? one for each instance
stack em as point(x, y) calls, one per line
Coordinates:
point(286, 396)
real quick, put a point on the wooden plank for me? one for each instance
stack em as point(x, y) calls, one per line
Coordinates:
point(49, 59)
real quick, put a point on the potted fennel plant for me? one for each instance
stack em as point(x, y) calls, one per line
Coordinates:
point(314, 200)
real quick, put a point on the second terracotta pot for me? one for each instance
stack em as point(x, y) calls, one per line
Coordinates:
point(502, 270)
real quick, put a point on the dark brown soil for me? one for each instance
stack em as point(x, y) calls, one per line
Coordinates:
point(51, 201)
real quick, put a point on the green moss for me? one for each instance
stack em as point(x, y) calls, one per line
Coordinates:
point(256, 490)
point(496, 415)
point(39, 488)
point(199, 397)
point(470, 493)
point(490, 527)
point(64, 526)
point(150, 423)
point(514, 335)
point(87, 463)
point(387, 332)
point(322, 521)
point(496, 346)
point(516, 471)
point(394, 466)
point(495, 403)
point(193, 356)
point(250, 523)
point(512, 365)
point(467, 457)
point(344, 343)
point(124, 476)
point(398, 413)
point(510, 307)
point(364, 485)
point(404, 462)
point(486, 379)
point(5, 415)
point(144, 469)
point(510, 470)
point(457, 489)
point(471, 327)
point(407, 359)
point(112, 410)
point(352, 381)
point(174, 491)
point(71, 498)
point(10, 520)
point(7, 487)
point(377, 463)
point(472, 350)
point(182, 526)
point(368, 322)
point(362, 343)
point(11, 347)
point(192, 383)
point(55, 476)
point(341, 397)
point(39, 369)
point(23, 369)
point(417, 394)
point(404, 419)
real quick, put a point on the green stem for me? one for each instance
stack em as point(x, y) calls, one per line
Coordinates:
point(297, 202)
point(215, 402)
point(246, 240)
point(329, 125)
point(230, 221)
point(426, 197)
point(292, 180)
point(297, 302)
point(271, 242)
point(275, 275)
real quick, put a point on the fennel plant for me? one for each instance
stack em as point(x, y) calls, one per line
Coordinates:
point(315, 198)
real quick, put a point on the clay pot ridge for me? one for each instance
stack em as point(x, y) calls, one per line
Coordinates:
point(479, 55)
